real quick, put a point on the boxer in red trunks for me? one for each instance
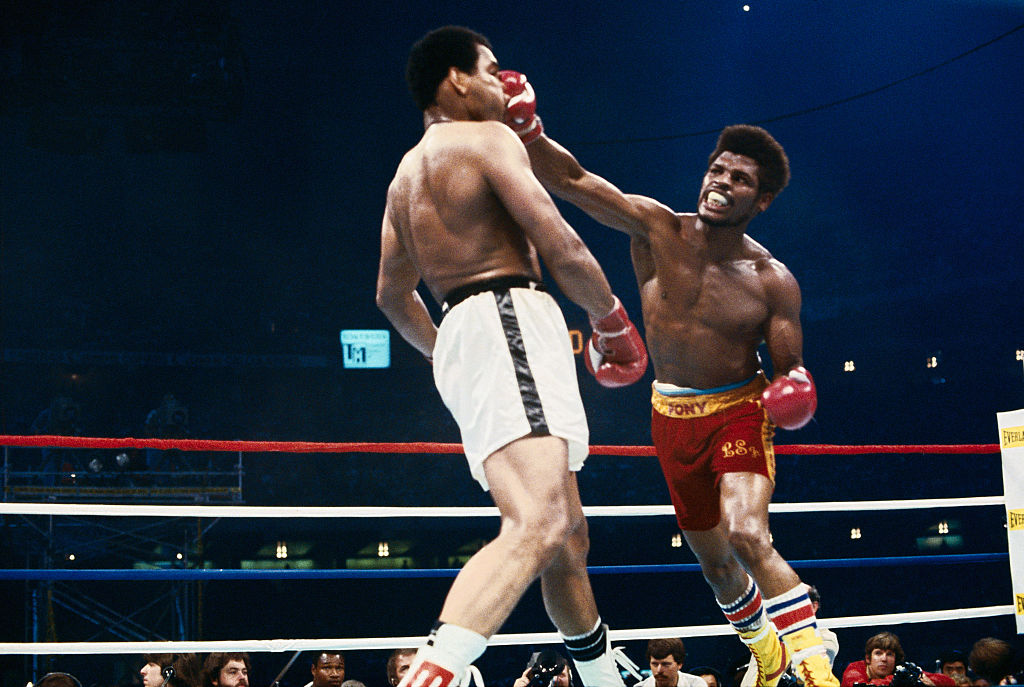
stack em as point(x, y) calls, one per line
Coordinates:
point(711, 295)
point(700, 437)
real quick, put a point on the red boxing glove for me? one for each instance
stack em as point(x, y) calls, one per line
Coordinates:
point(615, 354)
point(521, 110)
point(791, 400)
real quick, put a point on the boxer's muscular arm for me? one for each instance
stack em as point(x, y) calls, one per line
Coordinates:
point(506, 167)
point(397, 298)
point(783, 334)
point(791, 399)
point(563, 175)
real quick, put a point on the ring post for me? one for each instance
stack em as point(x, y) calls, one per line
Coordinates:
point(1011, 444)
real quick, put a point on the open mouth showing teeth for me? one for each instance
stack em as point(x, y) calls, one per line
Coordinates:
point(716, 199)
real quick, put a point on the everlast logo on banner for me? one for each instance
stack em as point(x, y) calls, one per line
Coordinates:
point(1016, 519)
point(1013, 437)
point(1020, 604)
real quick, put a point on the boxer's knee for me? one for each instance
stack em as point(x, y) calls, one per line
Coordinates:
point(750, 542)
point(721, 571)
point(541, 534)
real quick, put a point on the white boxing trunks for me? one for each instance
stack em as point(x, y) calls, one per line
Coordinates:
point(504, 366)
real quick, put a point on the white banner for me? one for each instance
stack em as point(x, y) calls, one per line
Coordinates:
point(1011, 445)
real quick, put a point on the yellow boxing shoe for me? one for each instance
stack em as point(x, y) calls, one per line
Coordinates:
point(810, 663)
point(770, 655)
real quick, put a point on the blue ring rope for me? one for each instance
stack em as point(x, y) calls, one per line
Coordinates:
point(196, 574)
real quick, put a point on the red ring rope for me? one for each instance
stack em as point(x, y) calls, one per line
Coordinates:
point(54, 441)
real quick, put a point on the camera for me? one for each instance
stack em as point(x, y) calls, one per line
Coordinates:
point(544, 667)
point(906, 675)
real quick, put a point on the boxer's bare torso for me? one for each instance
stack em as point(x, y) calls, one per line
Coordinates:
point(447, 214)
point(706, 314)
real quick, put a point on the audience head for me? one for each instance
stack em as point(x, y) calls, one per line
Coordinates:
point(991, 659)
point(882, 653)
point(954, 664)
point(398, 665)
point(666, 658)
point(328, 669)
point(58, 680)
point(550, 669)
point(227, 670)
point(172, 670)
point(814, 596)
point(709, 674)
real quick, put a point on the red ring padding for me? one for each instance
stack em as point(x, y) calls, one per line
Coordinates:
point(54, 441)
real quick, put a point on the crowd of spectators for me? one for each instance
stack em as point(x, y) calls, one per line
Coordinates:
point(988, 663)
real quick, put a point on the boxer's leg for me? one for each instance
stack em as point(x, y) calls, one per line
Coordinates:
point(529, 482)
point(738, 594)
point(745, 499)
point(569, 601)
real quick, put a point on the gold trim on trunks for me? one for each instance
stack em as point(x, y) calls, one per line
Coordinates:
point(702, 405)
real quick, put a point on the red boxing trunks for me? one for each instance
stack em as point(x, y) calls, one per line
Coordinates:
point(701, 435)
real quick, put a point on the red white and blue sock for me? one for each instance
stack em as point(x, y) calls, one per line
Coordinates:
point(746, 613)
point(791, 611)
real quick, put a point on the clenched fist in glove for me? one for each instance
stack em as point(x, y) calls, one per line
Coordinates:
point(615, 354)
point(791, 399)
point(521, 111)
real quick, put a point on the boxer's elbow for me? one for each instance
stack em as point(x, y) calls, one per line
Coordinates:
point(388, 301)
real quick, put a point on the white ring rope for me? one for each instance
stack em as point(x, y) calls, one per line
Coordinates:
point(283, 645)
point(279, 645)
point(81, 509)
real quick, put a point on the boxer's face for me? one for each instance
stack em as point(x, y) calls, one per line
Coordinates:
point(486, 90)
point(729, 194)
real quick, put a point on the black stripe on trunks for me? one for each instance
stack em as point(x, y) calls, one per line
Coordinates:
point(527, 386)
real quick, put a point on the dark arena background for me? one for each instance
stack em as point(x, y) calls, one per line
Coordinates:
point(190, 203)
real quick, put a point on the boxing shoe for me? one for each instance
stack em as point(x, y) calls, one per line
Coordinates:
point(425, 673)
point(810, 662)
point(770, 657)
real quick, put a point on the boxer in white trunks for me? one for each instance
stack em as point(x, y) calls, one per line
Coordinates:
point(466, 216)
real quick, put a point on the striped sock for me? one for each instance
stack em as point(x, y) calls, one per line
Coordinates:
point(588, 646)
point(592, 656)
point(746, 613)
point(791, 611)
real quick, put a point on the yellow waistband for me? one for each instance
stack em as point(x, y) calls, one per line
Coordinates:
point(702, 405)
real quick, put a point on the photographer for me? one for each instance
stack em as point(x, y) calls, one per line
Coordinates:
point(884, 664)
point(546, 669)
